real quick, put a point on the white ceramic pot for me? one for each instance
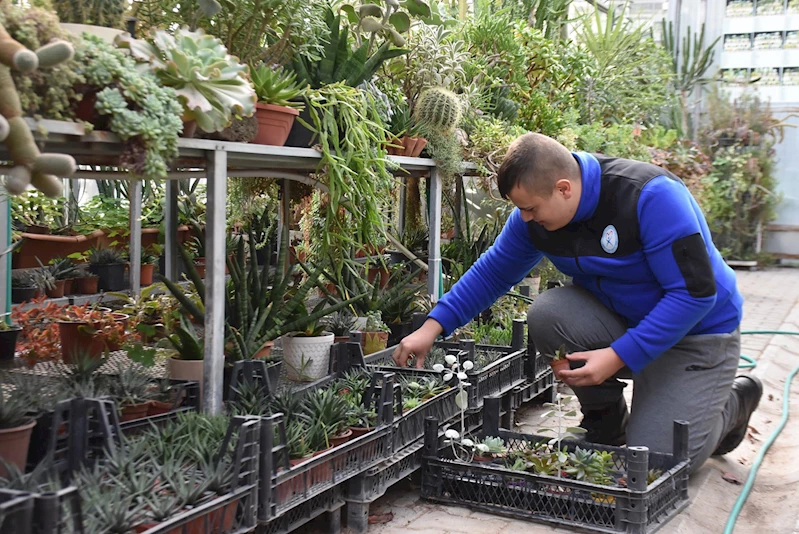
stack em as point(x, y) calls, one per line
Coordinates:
point(186, 370)
point(307, 359)
point(106, 34)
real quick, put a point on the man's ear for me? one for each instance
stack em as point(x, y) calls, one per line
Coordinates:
point(564, 187)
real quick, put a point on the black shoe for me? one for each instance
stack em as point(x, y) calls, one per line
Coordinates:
point(748, 389)
point(607, 426)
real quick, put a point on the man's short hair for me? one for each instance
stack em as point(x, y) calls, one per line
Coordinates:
point(535, 162)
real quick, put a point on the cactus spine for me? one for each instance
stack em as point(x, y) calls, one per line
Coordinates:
point(438, 109)
point(107, 13)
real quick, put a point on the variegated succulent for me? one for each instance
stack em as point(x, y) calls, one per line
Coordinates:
point(213, 86)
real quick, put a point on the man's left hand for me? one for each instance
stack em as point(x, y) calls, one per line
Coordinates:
point(599, 365)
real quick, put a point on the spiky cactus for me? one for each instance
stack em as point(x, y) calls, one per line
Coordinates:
point(438, 109)
point(107, 13)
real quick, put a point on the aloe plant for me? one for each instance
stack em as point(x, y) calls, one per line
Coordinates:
point(212, 85)
point(262, 303)
point(339, 63)
point(276, 86)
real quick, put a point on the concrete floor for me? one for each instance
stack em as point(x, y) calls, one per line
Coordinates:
point(772, 303)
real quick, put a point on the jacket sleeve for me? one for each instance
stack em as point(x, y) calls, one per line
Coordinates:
point(502, 266)
point(677, 254)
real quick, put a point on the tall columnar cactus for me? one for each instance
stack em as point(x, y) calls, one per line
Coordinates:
point(438, 109)
point(98, 12)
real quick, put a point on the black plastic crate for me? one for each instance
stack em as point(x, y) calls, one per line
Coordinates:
point(639, 508)
point(187, 398)
point(329, 502)
point(544, 387)
point(16, 512)
point(496, 378)
point(234, 512)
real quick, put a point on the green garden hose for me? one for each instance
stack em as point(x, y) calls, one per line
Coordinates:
point(786, 394)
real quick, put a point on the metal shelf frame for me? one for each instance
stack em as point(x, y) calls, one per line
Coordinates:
point(216, 161)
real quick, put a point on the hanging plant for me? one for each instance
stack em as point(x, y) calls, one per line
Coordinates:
point(354, 166)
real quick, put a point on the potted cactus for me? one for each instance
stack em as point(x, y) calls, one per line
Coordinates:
point(374, 333)
point(276, 109)
point(100, 18)
point(210, 83)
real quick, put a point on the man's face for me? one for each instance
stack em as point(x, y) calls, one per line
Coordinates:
point(552, 213)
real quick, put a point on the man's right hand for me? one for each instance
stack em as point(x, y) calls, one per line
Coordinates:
point(418, 344)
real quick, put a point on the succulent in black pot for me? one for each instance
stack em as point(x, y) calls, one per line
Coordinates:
point(109, 265)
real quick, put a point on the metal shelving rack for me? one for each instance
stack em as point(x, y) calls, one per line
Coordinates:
point(215, 161)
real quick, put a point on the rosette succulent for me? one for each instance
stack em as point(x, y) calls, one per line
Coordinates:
point(211, 84)
point(139, 110)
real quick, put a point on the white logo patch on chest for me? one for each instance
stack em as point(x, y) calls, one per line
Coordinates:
point(610, 239)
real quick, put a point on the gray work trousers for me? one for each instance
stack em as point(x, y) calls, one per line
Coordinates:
point(692, 381)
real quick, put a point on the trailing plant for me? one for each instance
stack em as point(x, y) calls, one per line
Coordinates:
point(353, 167)
point(147, 118)
point(211, 84)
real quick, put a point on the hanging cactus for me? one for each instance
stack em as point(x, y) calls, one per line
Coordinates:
point(107, 13)
point(438, 109)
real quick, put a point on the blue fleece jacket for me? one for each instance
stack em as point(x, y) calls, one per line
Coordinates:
point(650, 285)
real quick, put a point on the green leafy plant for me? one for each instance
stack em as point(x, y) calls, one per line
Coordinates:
point(276, 86)
point(328, 410)
point(211, 84)
point(13, 410)
point(491, 446)
point(186, 341)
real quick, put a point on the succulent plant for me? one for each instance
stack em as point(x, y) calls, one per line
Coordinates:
point(438, 109)
point(276, 86)
point(98, 12)
point(105, 256)
point(212, 85)
point(374, 323)
point(142, 112)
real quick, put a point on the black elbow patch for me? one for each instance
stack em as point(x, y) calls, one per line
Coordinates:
point(694, 263)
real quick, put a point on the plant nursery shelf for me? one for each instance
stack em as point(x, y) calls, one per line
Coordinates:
point(91, 148)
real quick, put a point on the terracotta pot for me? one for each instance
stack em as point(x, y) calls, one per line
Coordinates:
point(223, 519)
point(483, 459)
point(147, 271)
point(341, 339)
point(274, 124)
point(149, 237)
point(75, 343)
point(58, 291)
point(265, 351)
point(46, 247)
point(158, 408)
point(374, 342)
point(421, 142)
point(558, 365)
point(88, 285)
point(342, 438)
point(200, 269)
point(134, 411)
point(189, 129)
point(384, 275)
point(14, 443)
point(358, 431)
point(408, 145)
point(70, 286)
